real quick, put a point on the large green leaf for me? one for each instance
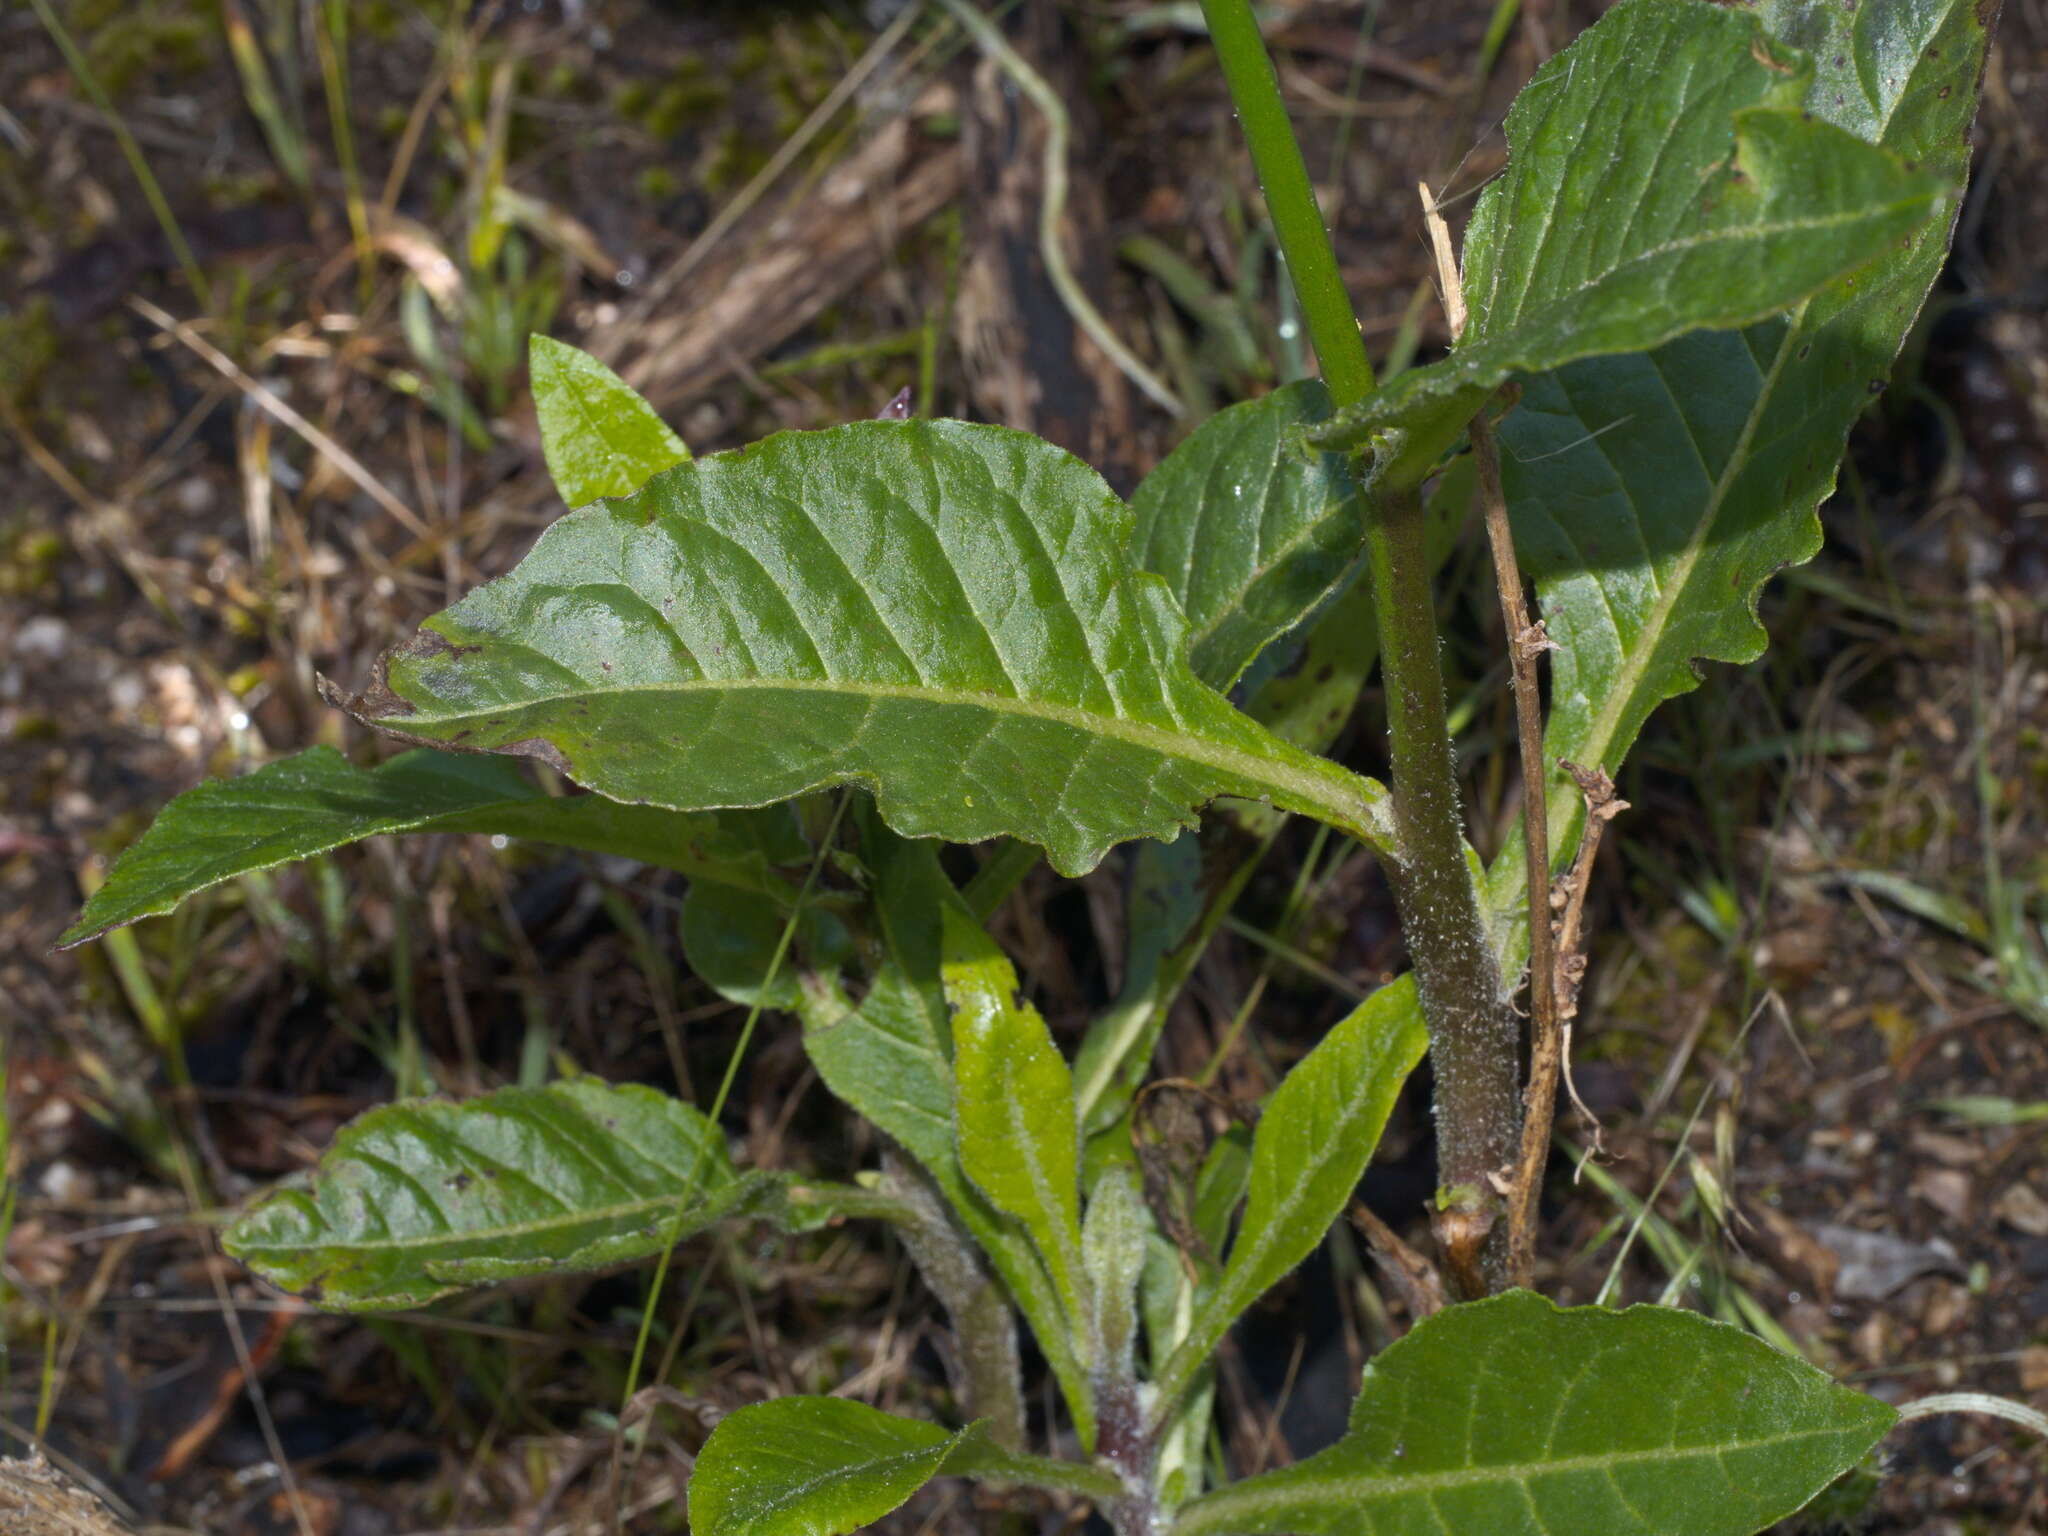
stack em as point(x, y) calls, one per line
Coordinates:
point(946, 613)
point(318, 800)
point(811, 1466)
point(1013, 1107)
point(1654, 494)
point(1661, 178)
point(1515, 1418)
point(1315, 1136)
point(421, 1198)
point(598, 436)
point(1251, 528)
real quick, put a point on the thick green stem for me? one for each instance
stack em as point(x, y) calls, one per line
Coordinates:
point(1291, 199)
point(1472, 1030)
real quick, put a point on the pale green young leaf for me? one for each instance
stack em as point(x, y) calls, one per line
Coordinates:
point(1251, 527)
point(1513, 1417)
point(1661, 179)
point(1113, 1242)
point(305, 805)
point(1315, 1136)
point(598, 436)
point(946, 613)
point(811, 1466)
point(1653, 494)
point(1013, 1106)
point(421, 1198)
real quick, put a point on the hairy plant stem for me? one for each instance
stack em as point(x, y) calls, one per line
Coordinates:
point(1125, 1442)
point(986, 1375)
point(1472, 1031)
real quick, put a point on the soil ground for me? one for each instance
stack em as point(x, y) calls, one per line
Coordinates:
point(1816, 1030)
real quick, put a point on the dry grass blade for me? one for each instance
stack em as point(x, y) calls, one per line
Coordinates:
point(317, 440)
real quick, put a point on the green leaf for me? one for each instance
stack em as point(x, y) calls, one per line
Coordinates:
point(1314, 1138)
point(730, 938)
point(1251, 528)
point(304, 805)
point(1513, 1417)
point(1113, 1241)
point(889, 1055)
point(598, 436)
point(810, 1466)
point(1653, 494)
point(946, 613)
point(1219, 1186)
point(1708, 200)
point(1014, 1106)
point(419, 1199)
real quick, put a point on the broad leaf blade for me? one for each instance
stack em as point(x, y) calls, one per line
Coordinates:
point(810, 1466)
point(1516, 1418)
point(946, 613)
point(597, 435)
point(1013, 1107)
point(1251, 528)
point(305, 805)
point(1315, 1136)
point(419, 1199)
point(1654, 494)
point(1712, 202)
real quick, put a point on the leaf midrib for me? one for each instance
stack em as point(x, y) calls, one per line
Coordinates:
point(566, 1219)
point(1353, 802)
point(1366, 1486)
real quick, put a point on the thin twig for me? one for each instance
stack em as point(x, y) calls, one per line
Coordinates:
point(1526, 641)
point(1602, 806)
point(319, 441)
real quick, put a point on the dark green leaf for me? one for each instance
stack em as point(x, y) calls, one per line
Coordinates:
point(598, 436)
point(1516, 1418)
point(810, 1466)
point(945, 612)
point(318, 800)
point(421, 1198)
point(1251, 528)
point(1315, 1136)
point(1654, 494)
point(1661, 179)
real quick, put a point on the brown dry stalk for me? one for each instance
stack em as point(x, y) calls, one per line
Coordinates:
point(1602, 806)
point(1410, 1273)
point(1526, 642)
